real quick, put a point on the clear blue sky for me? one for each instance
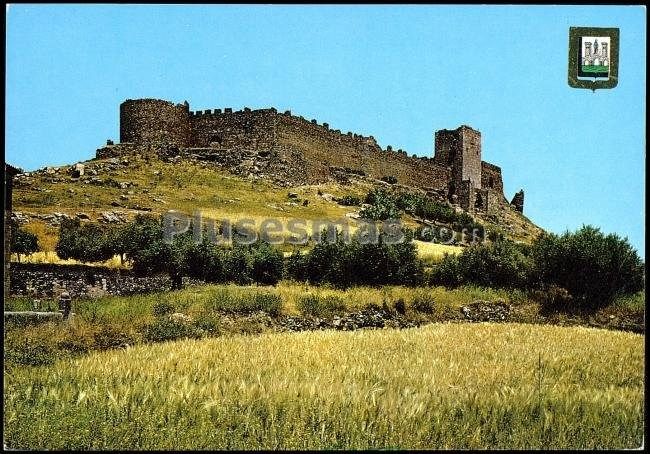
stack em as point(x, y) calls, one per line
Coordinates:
point(397, 73)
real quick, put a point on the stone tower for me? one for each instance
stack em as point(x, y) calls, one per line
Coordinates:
point(154, 122)
point(460, 150)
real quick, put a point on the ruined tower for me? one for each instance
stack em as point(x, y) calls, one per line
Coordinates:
point(460, 150)
point(154, 122)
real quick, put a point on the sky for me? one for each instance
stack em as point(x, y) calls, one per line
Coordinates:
point(395, 72)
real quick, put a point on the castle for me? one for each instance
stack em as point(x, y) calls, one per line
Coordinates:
point(597, 57)
point(265, 142)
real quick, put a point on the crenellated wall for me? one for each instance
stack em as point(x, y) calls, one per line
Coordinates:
point(323, 147)
point(246, 128)
point(268, 143)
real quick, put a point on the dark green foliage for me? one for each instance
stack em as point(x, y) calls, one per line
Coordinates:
point(499, 264)
point(592, 266)
point(142, 242)
point(237, 265)
point(208, 322)
point(162, 308)
point(203, 261)
point(350, 200)
point(164, 329)
point(320, 306)
point(384, 205)
point(296, 266)
point(425, 305)
point(407, 201)
point(381, 206)
point(344, 264)
point(86, 242)
point(112, 336)
point(267, 264)
point(23, 242)
point(29, 352)
point(248, 302)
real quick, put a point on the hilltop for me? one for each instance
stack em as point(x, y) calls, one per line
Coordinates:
point(257, 164)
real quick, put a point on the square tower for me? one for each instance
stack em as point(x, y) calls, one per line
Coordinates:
point(460, 149)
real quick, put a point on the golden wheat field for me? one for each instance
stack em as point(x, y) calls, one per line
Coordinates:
point(438, 386)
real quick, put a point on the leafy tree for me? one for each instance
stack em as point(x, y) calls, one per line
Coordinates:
point(592, 266)
point(499, 264)
point(237, 265)
point(22, 241)
point(381, 206)
point(86, 242)
point(267, 264)
point(344, 264)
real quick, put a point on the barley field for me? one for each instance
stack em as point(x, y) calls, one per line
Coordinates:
point(439, 386)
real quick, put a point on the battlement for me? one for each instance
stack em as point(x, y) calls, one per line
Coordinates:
point(455, 167)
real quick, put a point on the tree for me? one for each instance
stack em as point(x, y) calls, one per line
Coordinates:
point(22, 241)
point(86, 242)
point(592, 266)
point(499, 264)
point(267, 264)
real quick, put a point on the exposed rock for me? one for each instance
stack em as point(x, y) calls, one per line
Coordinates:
point(180, 317)
point(486, 311)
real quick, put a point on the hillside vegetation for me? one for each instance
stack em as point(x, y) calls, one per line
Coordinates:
point(138, 184)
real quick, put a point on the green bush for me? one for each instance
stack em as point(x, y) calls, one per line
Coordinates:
point(247, 302)
point(320, 306)
point(267, 264)
point(381, 206)
point(87, 242)
point(594, 268)
point(499, 264)
point(237, 265)
point(22, 241)
point(425, 305)
point(113, 336)
point(202, 261)
point(210, 323)
point(162, 308)
point(346, 263)
point(296, 266)
point(350, 200)
point(164, 329)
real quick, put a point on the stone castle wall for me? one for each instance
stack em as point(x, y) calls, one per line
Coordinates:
point(302, 151)
point(254, 129)
point(323, 148)
point(154, 122)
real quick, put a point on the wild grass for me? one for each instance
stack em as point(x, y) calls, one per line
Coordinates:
point(53, 258)
point(442, 386)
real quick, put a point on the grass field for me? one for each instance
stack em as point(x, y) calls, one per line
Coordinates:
point(595, 69)
point(439, 386)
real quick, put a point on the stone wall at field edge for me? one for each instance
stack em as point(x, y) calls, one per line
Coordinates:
point(81, 281)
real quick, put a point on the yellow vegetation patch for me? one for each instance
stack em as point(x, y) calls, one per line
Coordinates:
point(440, 386)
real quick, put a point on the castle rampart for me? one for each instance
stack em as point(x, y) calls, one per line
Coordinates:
point(306, 150)
point(154, 122)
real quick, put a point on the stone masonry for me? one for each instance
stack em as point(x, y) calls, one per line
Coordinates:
point(305, 151)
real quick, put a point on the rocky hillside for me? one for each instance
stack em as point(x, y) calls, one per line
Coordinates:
point(114, 190)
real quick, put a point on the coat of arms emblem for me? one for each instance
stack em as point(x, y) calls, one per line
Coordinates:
point(593, 57)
